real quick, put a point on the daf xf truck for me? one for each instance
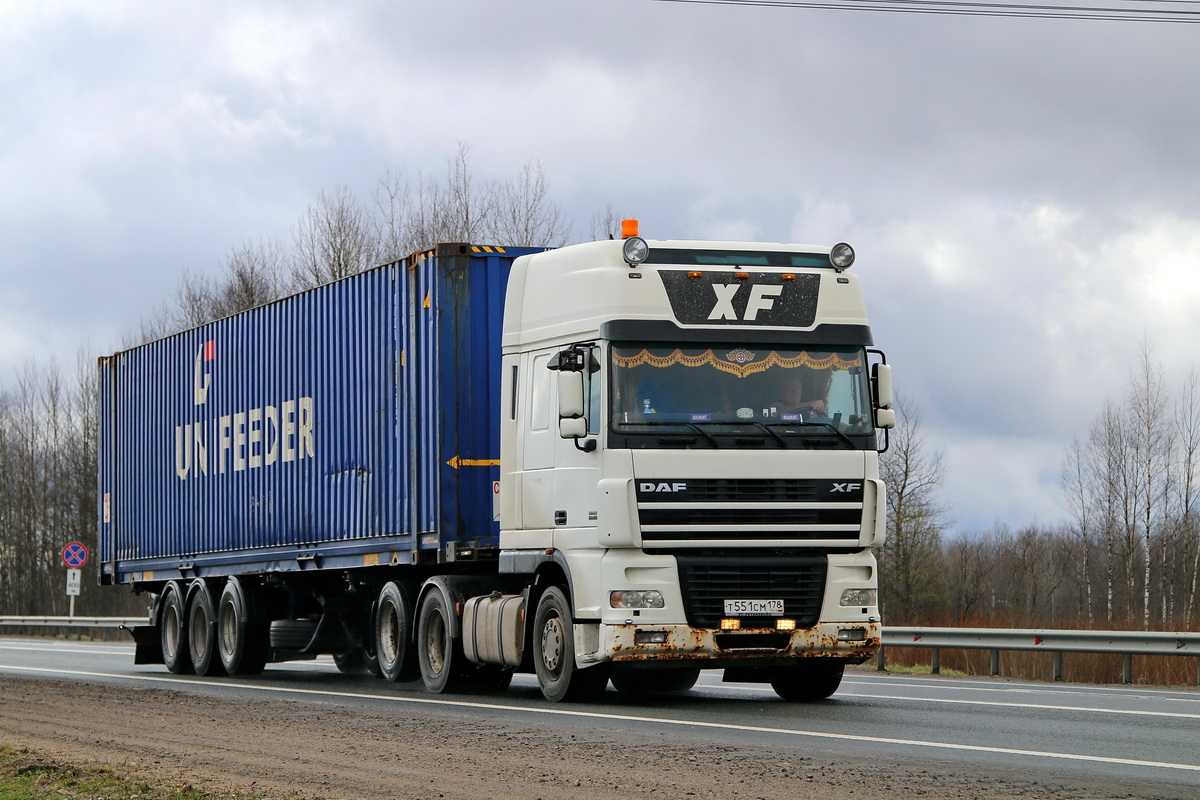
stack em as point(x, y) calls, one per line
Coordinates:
point(623, 461)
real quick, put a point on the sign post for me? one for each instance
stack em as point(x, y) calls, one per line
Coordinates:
point(74, 555)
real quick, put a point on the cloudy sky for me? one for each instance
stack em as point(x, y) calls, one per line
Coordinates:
point(1022, 193)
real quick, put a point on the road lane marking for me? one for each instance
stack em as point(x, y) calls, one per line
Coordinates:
point(960, 684)
point(1038, 706)
point(725, 726)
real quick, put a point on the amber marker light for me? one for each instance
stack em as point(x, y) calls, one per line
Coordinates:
point(695, 274)
point(741, 276)
point(787, 276)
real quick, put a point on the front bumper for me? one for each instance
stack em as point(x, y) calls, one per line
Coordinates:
point(709, 648)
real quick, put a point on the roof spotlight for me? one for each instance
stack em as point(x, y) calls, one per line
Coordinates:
point(841, 255)
point(635, 250)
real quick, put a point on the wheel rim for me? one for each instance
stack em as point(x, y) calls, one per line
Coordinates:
point(229, 627)
point(388, 634)
point(435, 638)
point(199, 638)
point(552, 645)
point(171, 628)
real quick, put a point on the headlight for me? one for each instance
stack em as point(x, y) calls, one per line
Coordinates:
point(634, 599)
point(841, 256)
point(859, 597)
point(635, 250)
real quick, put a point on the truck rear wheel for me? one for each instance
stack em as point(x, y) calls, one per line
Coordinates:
point(243, 641)
point(172, 627)
point(202, 629)
point(807, 681)
point(395, 649)
point(440, 657)
point(554, 653)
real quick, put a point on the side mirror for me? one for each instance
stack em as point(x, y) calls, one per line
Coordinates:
point(883, 387)
point(575, 428)
point(885, 418)
point(571, 422)
point(570, 395)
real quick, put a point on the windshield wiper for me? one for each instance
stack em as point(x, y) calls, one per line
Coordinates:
point(703, 433)
point(753, 423)
point(831, 427)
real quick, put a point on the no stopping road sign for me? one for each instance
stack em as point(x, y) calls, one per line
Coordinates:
point(75, 555)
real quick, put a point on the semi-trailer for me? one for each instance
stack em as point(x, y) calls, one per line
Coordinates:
point(624, 461)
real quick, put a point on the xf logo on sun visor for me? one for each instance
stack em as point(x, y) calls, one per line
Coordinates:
point(742, 298)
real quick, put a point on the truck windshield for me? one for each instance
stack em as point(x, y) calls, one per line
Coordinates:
point(689, 386)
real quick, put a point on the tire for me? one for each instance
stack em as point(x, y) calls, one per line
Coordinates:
point(172, 628)
point(394, 645)
point(654, 681)
point(243, 640)
point(292, 634)
point(807, 682)
point(554, 653)
point(439, 655)
point(202, 629)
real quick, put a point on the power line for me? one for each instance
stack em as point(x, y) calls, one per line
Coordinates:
point(1152, 10)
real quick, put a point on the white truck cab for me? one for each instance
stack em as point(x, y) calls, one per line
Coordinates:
point(689, 464)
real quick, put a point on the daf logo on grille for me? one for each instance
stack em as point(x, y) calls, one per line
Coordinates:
point(662, 487)
point(846, 487)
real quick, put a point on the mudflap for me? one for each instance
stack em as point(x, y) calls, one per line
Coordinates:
point(147, 644)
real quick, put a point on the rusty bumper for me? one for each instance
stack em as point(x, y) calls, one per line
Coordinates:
point(750, 647)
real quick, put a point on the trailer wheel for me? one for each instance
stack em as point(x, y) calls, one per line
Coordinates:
point(439, 655)
point(395, 649)
point(654, 681)
point(807, 682)
point(172, 628)
point(243, 641)
point(554, 653)
point(202, 629)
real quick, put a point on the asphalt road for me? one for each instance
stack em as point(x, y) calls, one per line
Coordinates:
point(1060, 731)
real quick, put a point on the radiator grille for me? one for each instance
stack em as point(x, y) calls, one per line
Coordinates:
point(708, 581)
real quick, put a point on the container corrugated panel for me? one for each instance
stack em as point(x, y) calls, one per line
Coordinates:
point(320, 430)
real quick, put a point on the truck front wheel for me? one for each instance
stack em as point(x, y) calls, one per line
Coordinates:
point(807, 681)
point(554, 653)
point(440, 657)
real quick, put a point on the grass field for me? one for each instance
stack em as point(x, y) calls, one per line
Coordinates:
point(25, 775)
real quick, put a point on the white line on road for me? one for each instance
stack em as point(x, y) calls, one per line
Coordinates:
point(726, 726)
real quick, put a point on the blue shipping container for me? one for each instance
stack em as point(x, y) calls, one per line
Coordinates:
point(353, 424)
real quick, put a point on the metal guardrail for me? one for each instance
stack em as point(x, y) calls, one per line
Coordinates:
point(1125, 643)
point(74, 622)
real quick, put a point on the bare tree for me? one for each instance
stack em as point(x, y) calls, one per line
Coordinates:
point(411, 217)
point(335, 238)
point(910, 569)
point(524, 215)
point(1151, 446)
point(970, 564)
point(1078, 483)
point(605, 224)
